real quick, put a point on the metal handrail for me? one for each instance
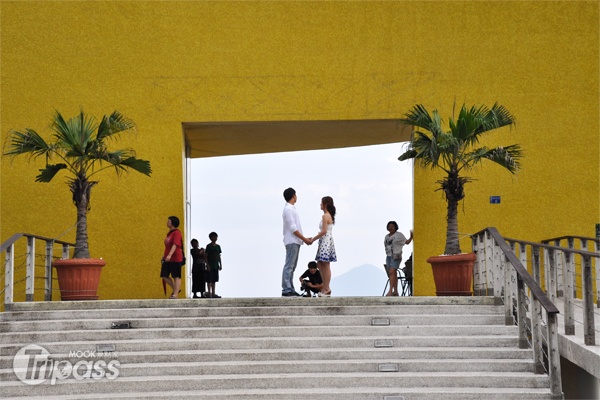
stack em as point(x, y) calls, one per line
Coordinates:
point(8, 247)
point(572, 237)
point(506, 268)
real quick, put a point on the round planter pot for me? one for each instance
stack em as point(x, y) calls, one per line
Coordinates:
point(78, 278)
point(453, 274)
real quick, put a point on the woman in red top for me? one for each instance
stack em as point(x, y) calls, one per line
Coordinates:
point(173, 257)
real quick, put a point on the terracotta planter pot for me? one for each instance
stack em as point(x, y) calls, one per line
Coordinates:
point(453, 274)
point(78, 278)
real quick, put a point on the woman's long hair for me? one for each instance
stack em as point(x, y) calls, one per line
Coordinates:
point(328, 202)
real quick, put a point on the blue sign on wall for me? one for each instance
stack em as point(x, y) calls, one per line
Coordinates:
point(494, 199)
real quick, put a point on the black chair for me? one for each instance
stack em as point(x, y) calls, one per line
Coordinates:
point(405, 278)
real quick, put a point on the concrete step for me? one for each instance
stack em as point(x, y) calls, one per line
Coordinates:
point(205, 367)
point(185, 354)
point(182, 344)
point(272, 321)
point(279, 381)
point(283, 302)
point(204, 312)
point(362, 393)
point(253, 332)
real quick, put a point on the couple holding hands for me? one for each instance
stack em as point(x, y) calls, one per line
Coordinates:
point(293, 239)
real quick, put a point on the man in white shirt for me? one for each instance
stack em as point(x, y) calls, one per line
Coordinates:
point(292, 239)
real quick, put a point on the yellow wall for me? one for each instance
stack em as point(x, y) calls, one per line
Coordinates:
point(164, 63)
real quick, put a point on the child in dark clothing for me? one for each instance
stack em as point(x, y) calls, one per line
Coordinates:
point(213, 259)
point(198, 270)
point(311, 280)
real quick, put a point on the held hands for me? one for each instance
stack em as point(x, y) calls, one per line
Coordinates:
point(308, 241)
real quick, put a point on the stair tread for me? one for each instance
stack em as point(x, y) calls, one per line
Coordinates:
point(304, 393)
point(287, 338)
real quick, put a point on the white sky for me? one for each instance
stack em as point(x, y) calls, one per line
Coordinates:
point(241, 198)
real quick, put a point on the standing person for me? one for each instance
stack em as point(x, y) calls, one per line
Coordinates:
point(311, 280)
point(326, 250)
point(393, 243)
point(292, 239)
point(213, 259)
point(198, 269)
point(172, 257)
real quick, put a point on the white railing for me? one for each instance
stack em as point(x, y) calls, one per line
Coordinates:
point(585, 244)
point(499, 272)
point(28, 260)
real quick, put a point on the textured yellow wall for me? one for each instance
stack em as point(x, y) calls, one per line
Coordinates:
point(164, 63)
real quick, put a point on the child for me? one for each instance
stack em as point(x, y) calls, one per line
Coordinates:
point(198, 269)
point(213, 259)
point(314, 283)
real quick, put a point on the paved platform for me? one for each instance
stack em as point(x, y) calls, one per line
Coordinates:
point(573, 347)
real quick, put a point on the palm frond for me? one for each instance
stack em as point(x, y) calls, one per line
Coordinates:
point(426, 149)
point(508, 157)
point(49, 172)
point(137, 164)
point(497, 117)
point(25, 142)
point(407, 155)
point(74, 134)
point(468, 123)
point(113, 125)
point(420, 117)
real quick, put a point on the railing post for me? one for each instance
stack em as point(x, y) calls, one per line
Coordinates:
point(597, 262)
point(481, 260)
point(589, 334)
point(554, 357)
point(569, 302)
point(536, 265)
point(48, 265)
point(508, 317)
point(65, 251)
point(9, 277)
point(498, 273)
point(489, 261)
point(559, 272)
point(550, 260)
point(30, 269)
point(521, 313)
point(523, 259)
point(571, 244)
point(536, 337)
point(476, 266)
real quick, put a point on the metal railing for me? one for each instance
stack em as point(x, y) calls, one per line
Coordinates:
point(583, 244)
point(565, 273)
point(29, 264)
point(499, 272)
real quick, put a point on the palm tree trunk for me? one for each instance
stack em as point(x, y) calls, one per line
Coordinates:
point(452, 242)
point(81, 239)
point(81, 189)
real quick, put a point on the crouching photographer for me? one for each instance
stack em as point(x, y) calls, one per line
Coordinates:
point(311, 281)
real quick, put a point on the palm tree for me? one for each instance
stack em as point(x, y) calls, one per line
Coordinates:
point(81, 146)
point(455, 151)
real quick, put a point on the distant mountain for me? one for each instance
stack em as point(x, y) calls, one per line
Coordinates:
point(366, 280)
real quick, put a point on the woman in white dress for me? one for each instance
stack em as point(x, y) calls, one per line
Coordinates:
point(326, 250)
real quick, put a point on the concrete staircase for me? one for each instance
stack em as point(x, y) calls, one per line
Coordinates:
point(402, 348)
